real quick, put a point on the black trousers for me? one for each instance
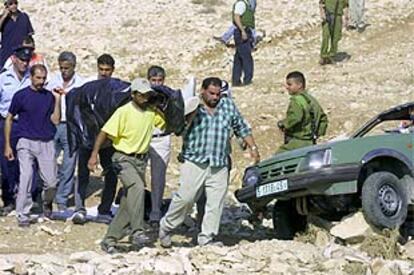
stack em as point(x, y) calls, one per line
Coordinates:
point(243, 59)
point(110, 179)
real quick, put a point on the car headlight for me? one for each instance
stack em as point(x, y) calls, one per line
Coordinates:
point(251, 176)
point(317, 159)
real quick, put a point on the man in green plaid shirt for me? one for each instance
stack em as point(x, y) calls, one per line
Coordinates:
point(205, 162)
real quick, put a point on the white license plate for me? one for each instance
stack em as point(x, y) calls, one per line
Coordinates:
point(271, 188)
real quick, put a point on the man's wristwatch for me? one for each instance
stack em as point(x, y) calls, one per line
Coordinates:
point(254, 148)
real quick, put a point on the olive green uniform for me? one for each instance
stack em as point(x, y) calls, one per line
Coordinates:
point(332, 29)
point(305, 121)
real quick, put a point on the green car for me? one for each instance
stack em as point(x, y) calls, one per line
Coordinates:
point(372, 170)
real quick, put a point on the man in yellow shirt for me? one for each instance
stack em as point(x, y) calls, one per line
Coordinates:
point(130, 129)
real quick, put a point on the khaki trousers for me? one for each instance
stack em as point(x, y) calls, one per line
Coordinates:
point(130, 215)
point(194, 179)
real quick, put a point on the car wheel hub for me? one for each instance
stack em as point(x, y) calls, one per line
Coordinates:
point(389, 200)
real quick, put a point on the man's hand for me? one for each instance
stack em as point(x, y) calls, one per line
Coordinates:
point(255, 155)
point(58, 91)
point(8, 153)
point(244, 35)
point(92, 163)
point(5, 13)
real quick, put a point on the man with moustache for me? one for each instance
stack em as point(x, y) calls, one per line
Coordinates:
point(12, 80)
point(130, 129)
point(39, 111)
point(204, 155)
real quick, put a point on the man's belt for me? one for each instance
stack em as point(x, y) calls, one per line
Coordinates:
point(137, 156)
point(160, 135)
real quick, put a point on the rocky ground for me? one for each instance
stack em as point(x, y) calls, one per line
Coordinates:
point(177, 35)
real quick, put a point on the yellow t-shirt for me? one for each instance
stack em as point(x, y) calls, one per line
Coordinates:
point(130, 128)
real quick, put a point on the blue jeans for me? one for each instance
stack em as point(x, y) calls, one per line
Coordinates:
point(66, 171)
point(9, 169)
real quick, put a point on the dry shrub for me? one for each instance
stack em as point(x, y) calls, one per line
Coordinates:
point(383, 245)
point(309, 235)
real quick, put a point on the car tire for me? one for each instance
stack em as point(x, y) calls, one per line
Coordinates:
point(287, 221)
point(384, 200)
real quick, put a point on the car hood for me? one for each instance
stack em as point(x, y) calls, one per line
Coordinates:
point(301, 152)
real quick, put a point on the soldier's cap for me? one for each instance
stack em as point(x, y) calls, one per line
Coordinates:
point(141, 85)
point(191, 104)
point(23, 53)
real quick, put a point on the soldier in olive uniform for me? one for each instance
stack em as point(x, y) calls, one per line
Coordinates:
point(331, 15)
point(305, 119)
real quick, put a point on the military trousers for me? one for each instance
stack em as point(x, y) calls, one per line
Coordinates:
point(330, 38)
point(293, 144)
point(130, 215)
point(194, 179)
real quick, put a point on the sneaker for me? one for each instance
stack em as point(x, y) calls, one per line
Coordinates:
point(140, 239)
point(79, 218)
point(219, 39)
point(103, 218)
point(165, 238)
point(109, 248)
point(47, 210)
point(212, 243)
point(155, 225)
point(62, 208)
point(23, 223)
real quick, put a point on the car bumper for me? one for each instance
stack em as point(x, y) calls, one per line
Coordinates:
point(303, 181)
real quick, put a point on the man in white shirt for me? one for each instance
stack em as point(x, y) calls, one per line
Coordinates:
point(66, 79)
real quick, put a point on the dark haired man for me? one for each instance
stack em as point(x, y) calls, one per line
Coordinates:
point(39, 111)
point(15, 25)
point(105, 69)
point(159, 154)
point(130, 129)
point(12, 80)
point(204, 154)
point(65, 80)
point(305, 119)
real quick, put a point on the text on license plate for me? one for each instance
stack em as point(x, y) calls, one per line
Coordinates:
point(271, 188)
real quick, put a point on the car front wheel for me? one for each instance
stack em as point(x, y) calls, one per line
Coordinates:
point(286, 220)
point(384, 200)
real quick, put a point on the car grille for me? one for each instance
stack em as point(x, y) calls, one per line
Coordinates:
point(279, 171)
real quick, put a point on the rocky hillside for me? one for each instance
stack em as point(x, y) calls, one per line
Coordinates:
point(178, 36)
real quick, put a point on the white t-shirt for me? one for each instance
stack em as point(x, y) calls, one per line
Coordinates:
point(240, 8)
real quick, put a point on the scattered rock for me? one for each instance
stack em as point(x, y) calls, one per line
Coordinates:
point(352, 229)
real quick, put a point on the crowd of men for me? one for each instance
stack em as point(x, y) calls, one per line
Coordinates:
point(33, 120)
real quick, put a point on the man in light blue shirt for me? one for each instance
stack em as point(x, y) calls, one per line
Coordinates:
point(12, 80)
point(65, 80)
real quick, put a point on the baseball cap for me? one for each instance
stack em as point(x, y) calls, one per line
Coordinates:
point(191, 104)
point(141, 85)
point(23, 53)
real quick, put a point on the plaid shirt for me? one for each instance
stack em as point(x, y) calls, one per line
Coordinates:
point(208, 138)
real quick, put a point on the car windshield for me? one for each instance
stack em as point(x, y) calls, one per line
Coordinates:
point(395, 120)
